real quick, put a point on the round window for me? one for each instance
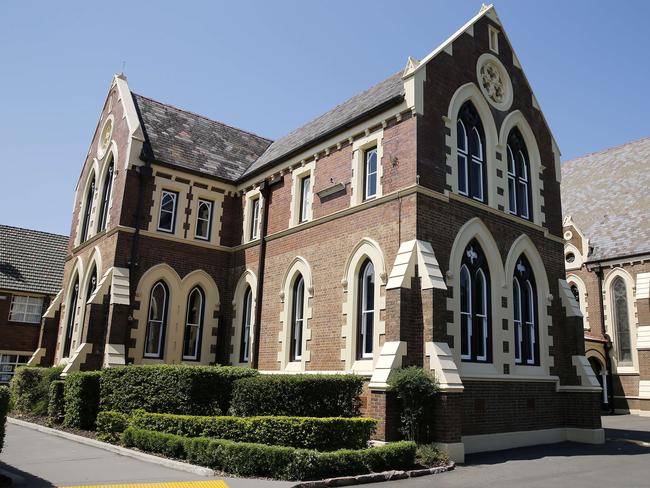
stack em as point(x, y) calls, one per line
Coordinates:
point(105, 137)
point(570, 257)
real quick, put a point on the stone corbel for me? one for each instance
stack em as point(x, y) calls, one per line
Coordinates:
point(390, 358)
point(441, 362)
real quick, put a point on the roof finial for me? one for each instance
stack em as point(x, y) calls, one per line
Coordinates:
point(484, 7)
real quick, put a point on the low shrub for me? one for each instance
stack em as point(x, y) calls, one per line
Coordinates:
point(320, 433)
point(416, 388)
point(56, 405)
point(4, 409)
point(110, 425)
point(30, 389)
point(82, 399)
point(428, 455)
point(299, 395)
point(180, 389)
point(248, 459)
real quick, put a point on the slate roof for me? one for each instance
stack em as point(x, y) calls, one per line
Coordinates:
point(30, 260)
point(196, 143)
point(607, 194)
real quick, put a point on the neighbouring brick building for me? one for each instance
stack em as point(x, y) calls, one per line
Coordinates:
point(417, 223)
point(31, 270)
point(607, 259)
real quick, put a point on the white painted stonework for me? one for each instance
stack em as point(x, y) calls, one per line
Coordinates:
point(420, 253)
point(442, 363)
point(390, 358)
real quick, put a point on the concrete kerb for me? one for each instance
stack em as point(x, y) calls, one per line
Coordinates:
point(122, 451)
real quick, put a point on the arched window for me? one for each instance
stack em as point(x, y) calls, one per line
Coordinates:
point(106, 197)
point(475, 305)
point(85, 227)
point(157, 321)
point(576, 292)
point(247, 316)
point(193, 325)
point(524, 301)
point(518, 175)
point(92, 283)
point(297, 318)
point(72, 310)
point(470, 145)
point(621, 321)
point(366, 310)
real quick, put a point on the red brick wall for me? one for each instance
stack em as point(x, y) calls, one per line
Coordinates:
point(17, 336)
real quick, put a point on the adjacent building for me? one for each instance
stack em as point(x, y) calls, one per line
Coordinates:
point(31, 271)
point(417, 223)
point(607, 258)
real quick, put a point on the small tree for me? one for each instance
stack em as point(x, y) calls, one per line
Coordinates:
point(416, 388)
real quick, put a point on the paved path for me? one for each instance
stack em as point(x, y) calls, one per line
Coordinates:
point(43, 460)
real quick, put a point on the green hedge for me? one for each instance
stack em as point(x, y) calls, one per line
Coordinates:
point(82, 399)
point(56, 406)
point(30, 389)
point(4, 408)
point(322, 434)
point(196, 390)
point(259, 460)
point(110, 425)
point(303, 395)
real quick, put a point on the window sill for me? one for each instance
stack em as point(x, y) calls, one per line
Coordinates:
point(363, 365)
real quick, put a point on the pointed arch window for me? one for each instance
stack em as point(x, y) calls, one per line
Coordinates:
point(247, 318)
point(92, 283)
point(366, 310)
point(106, 196)
point(193, 325)
point(90, 195)
point(519, 198)
point(621, 321)
point(297, 318)
point(72, 310)
point(524, 300)
point(203, 220)
point(470, 147)
point(475, 305)
point(157, 321)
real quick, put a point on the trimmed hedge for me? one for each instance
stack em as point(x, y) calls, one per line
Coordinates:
point(322, 434)
point(4, 409)
point(82, 399)
point(30, 389)
point(180, 389)
point(56, 406)
point(247, 459)
point(304, 395)
point(110, 425)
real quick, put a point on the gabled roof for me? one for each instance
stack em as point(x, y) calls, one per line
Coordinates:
point(30, 260)
point(607, 194)
point(196, 143)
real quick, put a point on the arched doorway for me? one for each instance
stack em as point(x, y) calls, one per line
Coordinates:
point(601, 375)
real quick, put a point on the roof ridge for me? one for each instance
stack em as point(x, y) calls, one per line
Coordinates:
point(201, 116)
point(606, 150)
point(34, 230)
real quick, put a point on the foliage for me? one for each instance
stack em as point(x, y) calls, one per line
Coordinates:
point(323, 434)
point(248, 459)
point(416, 388)
point(428, 455)
point(110, 425)
point(56, 406)
point(181, 389)
point(300, 395)
point(30, 389)
point(82, 399)
point(4, 409)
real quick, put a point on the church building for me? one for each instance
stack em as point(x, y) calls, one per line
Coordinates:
point(417, 223)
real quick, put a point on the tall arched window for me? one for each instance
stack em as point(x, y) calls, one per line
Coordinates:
point(470, 145)
point(157, 321)
point(524, 307)
point(193, 325)
point(518, 175)
point(475, 305)
point(576, 292)
point(247, 315)
point(72, 310)
point(621, 320)
point(297, 318)
point(366, 310)
point(85, 226)
point(106, 196)
point(92, 283)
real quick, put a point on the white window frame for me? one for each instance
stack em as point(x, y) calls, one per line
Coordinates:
point(16, 315)
point(484, 317)
point(246, 323)
point(480, 162)
point(8, 368)
point(255, 219)
point(468, 313)
point(175, 196)
point(518, 319)
point(367, 174)
point(305, 198)
point(163, 322)
point(297, 323)
point(358, 181)
point(464, 155)
point(493, 39)
point(210, 204)
point(198, 326)
point(363, 293)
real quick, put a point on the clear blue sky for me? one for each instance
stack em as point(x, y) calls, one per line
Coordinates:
point(269, 66)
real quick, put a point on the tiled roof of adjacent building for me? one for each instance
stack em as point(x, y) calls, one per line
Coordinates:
point(30, 260)
point(607, 194)
point(196, 143)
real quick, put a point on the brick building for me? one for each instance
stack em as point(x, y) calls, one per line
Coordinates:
point(607, 260)
point(31, 271)
point(417, 223)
